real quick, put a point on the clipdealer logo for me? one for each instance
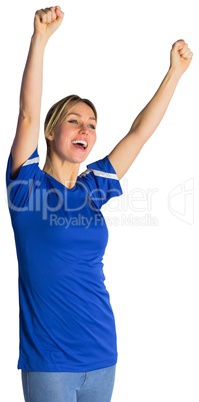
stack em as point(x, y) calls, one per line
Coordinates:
point(135, 208)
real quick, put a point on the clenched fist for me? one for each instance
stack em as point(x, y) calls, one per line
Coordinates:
point(180, 56)
point(48, 20)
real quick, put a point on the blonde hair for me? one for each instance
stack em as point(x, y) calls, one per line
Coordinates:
point(58, 112)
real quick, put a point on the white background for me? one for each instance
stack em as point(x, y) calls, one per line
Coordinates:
point(116, 53)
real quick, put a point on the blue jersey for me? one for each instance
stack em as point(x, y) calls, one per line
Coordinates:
point(66, 319)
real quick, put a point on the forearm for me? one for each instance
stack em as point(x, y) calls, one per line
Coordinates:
point(149, 118)
point(31, 87)
point(46, 22)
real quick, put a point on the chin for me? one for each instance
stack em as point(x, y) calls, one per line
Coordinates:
point(81, 157)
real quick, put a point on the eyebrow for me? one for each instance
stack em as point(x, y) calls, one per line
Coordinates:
point(79, 115)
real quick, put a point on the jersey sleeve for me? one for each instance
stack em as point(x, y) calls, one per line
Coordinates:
point(101, 181)
point(19, 189)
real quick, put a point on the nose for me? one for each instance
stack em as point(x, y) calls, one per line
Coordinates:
point(84, 129)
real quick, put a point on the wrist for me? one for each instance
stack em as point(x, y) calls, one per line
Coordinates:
point(175, 72)
point(173, 75)
point(39, 39)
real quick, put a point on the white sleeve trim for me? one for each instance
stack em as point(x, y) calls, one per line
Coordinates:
point(99, 173)
point(31, 161)
point(105, 174)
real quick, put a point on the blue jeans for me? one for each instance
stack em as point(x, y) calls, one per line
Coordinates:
point(92, 386)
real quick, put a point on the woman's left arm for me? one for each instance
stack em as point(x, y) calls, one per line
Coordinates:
point(125, 152)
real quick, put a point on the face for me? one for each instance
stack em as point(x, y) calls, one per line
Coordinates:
point(75, 137)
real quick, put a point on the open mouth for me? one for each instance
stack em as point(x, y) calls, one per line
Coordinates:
point(80, 144)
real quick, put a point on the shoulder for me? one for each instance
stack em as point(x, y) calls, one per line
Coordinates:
point(101, 181)
point(101, 168)
point(27, 169)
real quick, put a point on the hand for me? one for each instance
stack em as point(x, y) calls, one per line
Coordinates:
point(48, 20)
point(180, 56)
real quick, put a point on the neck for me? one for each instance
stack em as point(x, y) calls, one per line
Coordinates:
point(65, 172)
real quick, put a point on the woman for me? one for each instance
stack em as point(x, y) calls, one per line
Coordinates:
point(68, 349)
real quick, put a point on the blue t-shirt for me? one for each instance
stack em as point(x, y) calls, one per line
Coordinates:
point(66, 319)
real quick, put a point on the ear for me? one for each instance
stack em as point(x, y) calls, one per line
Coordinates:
point(50, 136)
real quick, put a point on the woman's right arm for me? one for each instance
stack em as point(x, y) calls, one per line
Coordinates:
point(25, 142)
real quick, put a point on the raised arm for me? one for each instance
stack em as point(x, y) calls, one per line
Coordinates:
point(149, 118)
point(25, 142)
